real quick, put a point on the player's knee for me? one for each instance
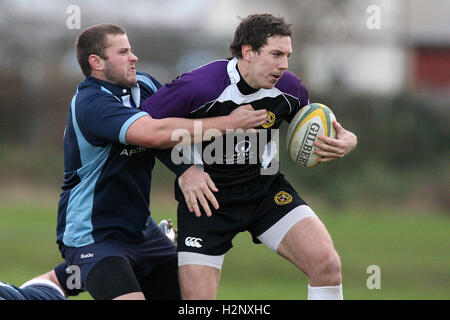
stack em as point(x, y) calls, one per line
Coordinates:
point(51, 276)
point(198, 294)
point(328, 266)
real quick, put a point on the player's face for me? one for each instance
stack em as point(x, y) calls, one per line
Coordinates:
point(120, 63)
point(267, 66)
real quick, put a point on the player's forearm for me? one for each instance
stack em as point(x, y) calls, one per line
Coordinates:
point(222, 124)
point(168, 132)
point(173, 131)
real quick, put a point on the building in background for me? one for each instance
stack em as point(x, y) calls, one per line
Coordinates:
point(429, 45)
point(334, 45)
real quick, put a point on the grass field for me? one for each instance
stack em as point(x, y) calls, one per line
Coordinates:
point(412, 250)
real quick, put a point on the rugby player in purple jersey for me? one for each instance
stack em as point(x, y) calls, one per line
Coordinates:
point(251, 196)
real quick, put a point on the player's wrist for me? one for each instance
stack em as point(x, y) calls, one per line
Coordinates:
point(226, 122)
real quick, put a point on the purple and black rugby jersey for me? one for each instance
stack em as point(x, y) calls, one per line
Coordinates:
point(216, 89)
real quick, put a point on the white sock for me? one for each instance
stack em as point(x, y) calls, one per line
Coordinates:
point(325, 293)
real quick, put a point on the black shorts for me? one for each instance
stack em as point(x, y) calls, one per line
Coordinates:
point(213, 235)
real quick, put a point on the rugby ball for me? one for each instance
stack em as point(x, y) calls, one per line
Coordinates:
point(312, 120)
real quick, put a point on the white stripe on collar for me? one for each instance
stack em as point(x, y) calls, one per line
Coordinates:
point(232, 71)
point(136, 94)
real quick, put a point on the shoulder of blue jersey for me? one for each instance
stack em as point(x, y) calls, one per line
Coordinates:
point(148, 80)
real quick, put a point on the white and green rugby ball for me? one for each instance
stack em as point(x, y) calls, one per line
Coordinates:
point(312, 120)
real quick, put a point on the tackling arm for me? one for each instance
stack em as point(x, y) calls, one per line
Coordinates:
point(157, 133)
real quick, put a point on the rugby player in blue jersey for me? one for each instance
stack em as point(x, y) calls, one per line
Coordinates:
point(250, 199)
point(104, 225)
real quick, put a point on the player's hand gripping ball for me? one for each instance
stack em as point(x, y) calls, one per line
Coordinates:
point(312, 120)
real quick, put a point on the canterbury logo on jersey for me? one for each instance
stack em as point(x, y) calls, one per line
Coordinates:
point(193, 242)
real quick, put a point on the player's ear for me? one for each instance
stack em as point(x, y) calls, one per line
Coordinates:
point(96, 62)
point(247, 52)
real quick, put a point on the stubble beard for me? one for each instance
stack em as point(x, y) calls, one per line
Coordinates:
point(115, 78)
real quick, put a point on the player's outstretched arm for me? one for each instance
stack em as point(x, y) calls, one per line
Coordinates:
point(331, 149)
point(157, 133)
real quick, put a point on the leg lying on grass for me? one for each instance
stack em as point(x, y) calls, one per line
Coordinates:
point(43, 287)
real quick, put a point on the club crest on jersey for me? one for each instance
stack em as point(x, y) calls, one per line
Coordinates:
point(282, 198)
point(270, 120)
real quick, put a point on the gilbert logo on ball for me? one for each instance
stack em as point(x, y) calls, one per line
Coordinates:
point(312, 120)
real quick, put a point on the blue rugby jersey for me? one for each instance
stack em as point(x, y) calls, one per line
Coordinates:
point(106, 188)
point(216, 89)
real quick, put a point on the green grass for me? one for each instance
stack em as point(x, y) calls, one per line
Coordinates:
point(412, 250)
point(413, 253)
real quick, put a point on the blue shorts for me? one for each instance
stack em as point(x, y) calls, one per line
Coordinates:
point(143, 257)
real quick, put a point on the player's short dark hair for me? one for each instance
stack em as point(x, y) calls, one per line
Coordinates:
point(255, 29)
point(93, 40)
